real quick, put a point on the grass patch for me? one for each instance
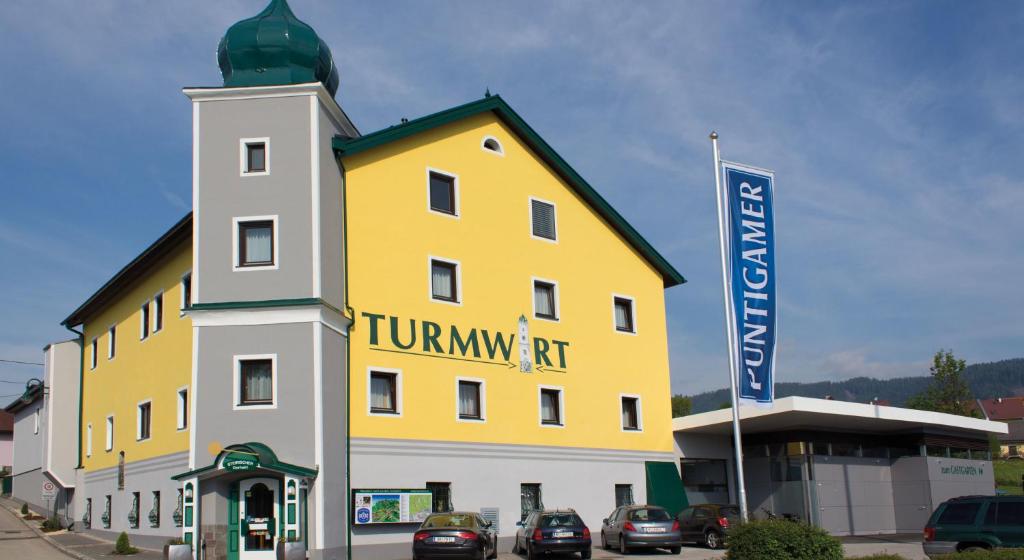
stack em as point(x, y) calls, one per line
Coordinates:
point(1008, 474)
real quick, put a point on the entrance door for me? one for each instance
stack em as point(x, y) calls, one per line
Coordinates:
point(259, 514)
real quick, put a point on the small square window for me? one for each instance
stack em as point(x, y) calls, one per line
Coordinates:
point(383, 392)
point(551, 407)
point(624, 315)
point(442, 193)
point(470, 405)
point(257, 381)
point(256, 243)
point(93, 357)
point(144, 322)
point(630, 413)
point(444, 281)
point(182, 409)
point(542, 215)
point(186, 292)
point(255, 157)
point(145, 415)
point(110, 433)
point(112, 342)
point(545, 301)
point(158, 313)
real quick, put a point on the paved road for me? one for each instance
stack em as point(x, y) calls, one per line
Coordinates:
point(18, 542)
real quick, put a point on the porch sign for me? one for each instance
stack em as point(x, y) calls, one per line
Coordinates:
point(750, 235)
point(391, 506)
point(240, 462)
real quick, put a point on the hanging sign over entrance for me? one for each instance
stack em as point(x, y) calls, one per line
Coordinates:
point(236, 461)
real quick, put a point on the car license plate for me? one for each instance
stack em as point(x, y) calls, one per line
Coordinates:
point(444, 539)
point(562, 534)
point(654, 529)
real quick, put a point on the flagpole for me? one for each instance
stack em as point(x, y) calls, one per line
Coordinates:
point(730, 333)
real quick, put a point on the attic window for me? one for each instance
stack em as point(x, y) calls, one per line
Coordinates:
point(491, 143)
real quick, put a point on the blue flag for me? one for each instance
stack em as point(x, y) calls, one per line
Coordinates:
point(751, 253)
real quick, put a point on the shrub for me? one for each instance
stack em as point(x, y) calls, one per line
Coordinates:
point(1000, 554)
point(781, 540)
point(123, 545)
point(52, 524)
point(24, 509)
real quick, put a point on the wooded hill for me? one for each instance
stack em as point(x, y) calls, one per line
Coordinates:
point(987, 380)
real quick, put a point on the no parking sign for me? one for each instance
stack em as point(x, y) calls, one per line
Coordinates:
point(49, 490)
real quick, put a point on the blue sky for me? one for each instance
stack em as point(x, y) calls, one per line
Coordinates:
point(895, 129)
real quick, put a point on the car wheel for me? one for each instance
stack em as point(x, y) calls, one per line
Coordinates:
point(675, 550)
point(604, 541)
point(515, 546)
point(530, 554)
point(974, 549)
point(494, 551)
point(585, 555)
point(712, 540)
point(622, 545)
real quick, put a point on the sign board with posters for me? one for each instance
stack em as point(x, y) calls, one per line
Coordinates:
point(49, 490)
point(391, 506)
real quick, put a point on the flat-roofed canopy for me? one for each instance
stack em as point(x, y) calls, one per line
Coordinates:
point(803, 413)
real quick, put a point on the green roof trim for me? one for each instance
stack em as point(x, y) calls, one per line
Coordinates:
point(494, 103)
point(267, 460)
point(168, 242)
point(296, 302)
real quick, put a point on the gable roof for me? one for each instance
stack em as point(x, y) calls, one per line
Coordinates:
point(1003, 408)
point(495, 104)
point(132, 271)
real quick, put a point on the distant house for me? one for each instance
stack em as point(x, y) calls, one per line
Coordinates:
point(1011, 411)
point(6, 443)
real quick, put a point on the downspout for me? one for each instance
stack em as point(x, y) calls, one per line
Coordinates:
point(81, 386)
point(348, 360)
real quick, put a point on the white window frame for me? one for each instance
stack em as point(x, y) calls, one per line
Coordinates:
point(138, 420)
point(430, 280)
point(157, 311)
point(88, 439)
point(533, 298)
point(501, 148)
point(457, 197)
point(632, 305)
point(235, 245)
point(561, 406)
point(639, 413)
point(181, 288)
point(112, 342)
point(109, 441)
point(144, 314)
point(483, 400)
point(236, 403)
point(93, 347)
point(554, 210)
point(243, 159)
point(398, 392)
point(182, 408)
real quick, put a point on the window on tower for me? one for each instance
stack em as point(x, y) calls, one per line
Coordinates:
point(256, 243)
point(444, 281)
point(443, 193)
point(255, 157)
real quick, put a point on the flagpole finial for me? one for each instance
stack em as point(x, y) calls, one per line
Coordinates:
point(713, 135)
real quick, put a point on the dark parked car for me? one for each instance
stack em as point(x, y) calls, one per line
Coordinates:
point(459, 534)
point(975, 522)
point(641, 527)
point(548, 531)
point(708, 523)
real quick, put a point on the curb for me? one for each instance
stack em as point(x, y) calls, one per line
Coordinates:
point(39, 533)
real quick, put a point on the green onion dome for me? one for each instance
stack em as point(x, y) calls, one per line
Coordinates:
point(275, 48)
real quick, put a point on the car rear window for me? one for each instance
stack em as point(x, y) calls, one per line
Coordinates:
point(959, 513)
point(450, 520)
point(730, 512)
point(560, 520)
point(648, 514)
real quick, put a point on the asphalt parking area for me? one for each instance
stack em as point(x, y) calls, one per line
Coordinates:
point(688, 552)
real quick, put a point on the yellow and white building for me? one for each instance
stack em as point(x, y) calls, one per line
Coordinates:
point(442, 313)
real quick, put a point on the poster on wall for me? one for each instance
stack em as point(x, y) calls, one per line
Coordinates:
point(391, 506)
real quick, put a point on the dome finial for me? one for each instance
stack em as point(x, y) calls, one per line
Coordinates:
point(275, 48)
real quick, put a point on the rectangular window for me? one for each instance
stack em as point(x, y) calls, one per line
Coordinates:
point(186, 292)
point(133, 512)
point(442, 193)
point(256, 377)
point(623, 495)
point(158, 312)
point(383, 392)
point(962, 513)
point(36, 416)
point(93, 356)
point(154, 513)
point(470, 400)
point(630, 413)
point(107, 514)
point(624, 314)
point(110, 433)
point(706, 480)
point(255, 156)
point(444, 281)
point(88, 440)
point(442, 496)
point(542, 218)
point(143, 417)
point(144, 321)
point(551, 406)
point(112, 343)
point(256, 243)
point(545, 300)
point(182, 409)
point(529, 499)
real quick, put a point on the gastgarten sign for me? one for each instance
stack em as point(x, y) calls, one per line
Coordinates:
point(239, 462)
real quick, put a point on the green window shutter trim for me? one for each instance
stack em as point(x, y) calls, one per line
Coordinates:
point(664, 487)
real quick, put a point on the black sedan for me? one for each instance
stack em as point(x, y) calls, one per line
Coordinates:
point(459, 534)
point(552, 531)
point(708, 523)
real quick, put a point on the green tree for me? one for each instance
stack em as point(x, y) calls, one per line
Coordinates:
point(681, 406)
point(947, 391)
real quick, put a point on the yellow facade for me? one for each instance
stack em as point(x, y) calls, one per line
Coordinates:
point(151, 369)
point(392, 235)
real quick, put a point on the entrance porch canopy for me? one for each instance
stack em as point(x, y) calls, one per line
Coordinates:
point(247, 457)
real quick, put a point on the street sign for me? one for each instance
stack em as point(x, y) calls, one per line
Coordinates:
point(49, 490)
